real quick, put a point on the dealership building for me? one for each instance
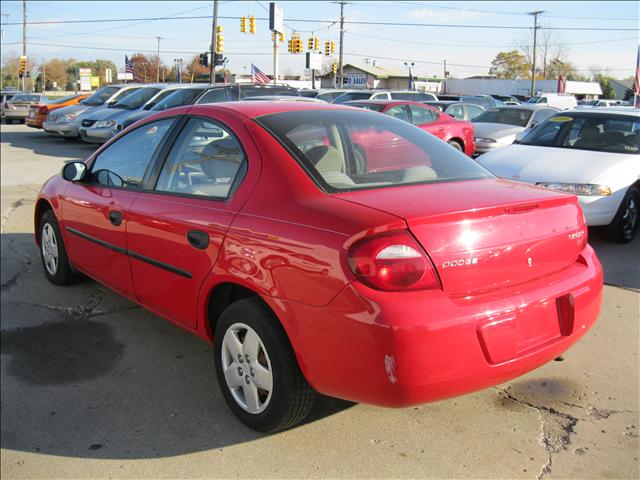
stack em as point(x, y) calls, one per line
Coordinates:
point(494, 86)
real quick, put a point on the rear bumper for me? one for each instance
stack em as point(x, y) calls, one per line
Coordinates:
point(401, 349)
point(15, 114)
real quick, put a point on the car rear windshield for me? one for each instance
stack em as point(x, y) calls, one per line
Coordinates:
point(100, 96)
point(348, 96)
point(137, 99)
point(369, 106)
point(415, 96)
point(183, 96)
point(25, 98)
point(351, 150)
point(508, 116)
point(605, 133)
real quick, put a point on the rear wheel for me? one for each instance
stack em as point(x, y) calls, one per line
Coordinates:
point(455, 145)
point(53, 253)
point(257, 369)
point(625, 223)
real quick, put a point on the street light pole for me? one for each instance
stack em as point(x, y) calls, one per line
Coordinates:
point(24, 41)
point(212, 67)
point(341, 43)
point(158, 73)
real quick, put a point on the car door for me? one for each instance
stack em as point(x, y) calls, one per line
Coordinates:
point(95, 211)
point(427, 119)
point(176, 230)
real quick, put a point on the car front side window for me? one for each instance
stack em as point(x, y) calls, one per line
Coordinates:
point(124, 162)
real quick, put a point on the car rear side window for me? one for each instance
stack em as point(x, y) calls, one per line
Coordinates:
point(204, 161)
point(350, 150)
point(420, 115)
point(216, 95)
point(125, 161)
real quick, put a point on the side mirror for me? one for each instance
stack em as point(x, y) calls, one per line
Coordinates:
point(74, 171)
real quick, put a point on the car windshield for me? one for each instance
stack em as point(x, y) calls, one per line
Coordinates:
point(352, 150)
point(348, 96)
point(25, 98)
point(415, 96)
point(137, 99)
point(100, 96)
point(600, 133)
point(183, 96)
point(507, 116)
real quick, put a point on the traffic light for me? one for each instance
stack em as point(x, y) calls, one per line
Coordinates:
point(243, 24)
point(252, 24)
point(290, 45)
point(219, 40)
point(204, 59)
point(327, 48)
point(281, 37)
point(334, 68)
point(310, 44)
point(316, 44)
point(23, 66)
point(333, 46)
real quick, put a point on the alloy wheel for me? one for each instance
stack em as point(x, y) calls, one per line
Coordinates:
point(49, 245)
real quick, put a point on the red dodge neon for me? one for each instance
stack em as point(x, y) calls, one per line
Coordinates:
point(457, 133)
point(319, 257)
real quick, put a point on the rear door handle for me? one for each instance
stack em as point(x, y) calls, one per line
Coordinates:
point(198, 239)
point(115, 217)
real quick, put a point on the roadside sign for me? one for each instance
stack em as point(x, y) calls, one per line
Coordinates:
point(355, 79)
point(84, 72)
point(95, 81)
point(276, 18)
point(313, 61)
point(124, 76)
point(107, 75)
point(85, 84)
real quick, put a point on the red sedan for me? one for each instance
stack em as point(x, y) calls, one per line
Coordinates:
point(457, 133)
point(260, 227)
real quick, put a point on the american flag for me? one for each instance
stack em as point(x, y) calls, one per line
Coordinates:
point(128, 67)
point(636, 83)
point(258, 76)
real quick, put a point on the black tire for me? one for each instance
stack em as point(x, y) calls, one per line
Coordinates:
point(625, 224)
point(455, 145)
point(63, 273)
point(291, 396)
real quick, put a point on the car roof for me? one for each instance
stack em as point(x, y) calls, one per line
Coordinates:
point(620, 110)
point(254, 109)
point(383, 102)
point(525, 106)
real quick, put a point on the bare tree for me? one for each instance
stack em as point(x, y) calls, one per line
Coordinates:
point(552, 47)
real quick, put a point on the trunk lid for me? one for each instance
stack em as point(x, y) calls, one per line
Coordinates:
point(483, 235)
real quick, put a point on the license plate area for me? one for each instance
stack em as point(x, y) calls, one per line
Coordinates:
point(521, 332)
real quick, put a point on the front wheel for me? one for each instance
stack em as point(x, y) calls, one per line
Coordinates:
point(625, 223)
point(257, 369)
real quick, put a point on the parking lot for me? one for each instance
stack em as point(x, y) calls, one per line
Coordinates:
point(95, 386)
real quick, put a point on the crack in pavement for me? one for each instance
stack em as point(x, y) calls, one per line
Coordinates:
point(556, 429)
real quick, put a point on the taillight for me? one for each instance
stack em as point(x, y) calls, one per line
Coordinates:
point(393, 261)
point(43, 109)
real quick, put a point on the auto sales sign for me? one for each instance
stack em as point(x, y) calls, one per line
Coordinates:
point(355, 80)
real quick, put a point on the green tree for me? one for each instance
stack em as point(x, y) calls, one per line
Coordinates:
point(606, 87)
point(628, 94)
point(510, 65)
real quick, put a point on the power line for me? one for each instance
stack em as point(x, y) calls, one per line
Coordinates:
point(350, 22)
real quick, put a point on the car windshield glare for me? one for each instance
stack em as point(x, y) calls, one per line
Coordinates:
point(351, 150)
point(100, 96)
point(184, 96)
point(137, 99)
point(26, 98)
point(604, 133)
point(508, 116)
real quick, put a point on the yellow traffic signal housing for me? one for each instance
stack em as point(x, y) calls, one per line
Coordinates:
point(333, 46)
point(243, 24)
point(290, 46)
point(327, 48)
point(310, 44)
point(316, 44)
point(219, 29)
point(252, 24)
point(334, 68)
point(219, 43)
point(23, 65)
point(281, 37)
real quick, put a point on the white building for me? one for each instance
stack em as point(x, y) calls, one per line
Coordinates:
point(494, 86)
point(373, 76)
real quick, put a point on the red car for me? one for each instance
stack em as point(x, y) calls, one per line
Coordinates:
point(258, 226)
point(457, 133)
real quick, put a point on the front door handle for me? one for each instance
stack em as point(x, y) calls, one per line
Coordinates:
point(198, 239)
point(115, 217)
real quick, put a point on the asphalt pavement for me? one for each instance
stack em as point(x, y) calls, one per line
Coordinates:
point(95, 386)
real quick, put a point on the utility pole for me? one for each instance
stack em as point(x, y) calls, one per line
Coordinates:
point(535, 42)
point(275, 57)
point(444, 76)
point(24, 41)
point(158, 74)
point(44, 75)
point(214, 26)
point(341, 42)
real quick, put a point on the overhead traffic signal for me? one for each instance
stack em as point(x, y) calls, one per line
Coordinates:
point(280, 37)
point(295, 44)
point(310, 44)
point(334, 68)
point(204, 59)
point(243, 24)
point(219, 40)
point(23, 66)
point(316, 44)
point(333, 46)
point(327, 48)
point(252, 24)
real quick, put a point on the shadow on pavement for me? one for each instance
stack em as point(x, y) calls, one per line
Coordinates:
point(36, 140)
point(620, 262)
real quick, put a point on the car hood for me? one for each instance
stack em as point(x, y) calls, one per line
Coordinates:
point(104, 113)
point(530, 163)
point(77, 109)
point(497, 131)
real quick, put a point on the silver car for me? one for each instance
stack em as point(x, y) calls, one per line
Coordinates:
point(66, 121)
point(17, 108)
point(499, 126)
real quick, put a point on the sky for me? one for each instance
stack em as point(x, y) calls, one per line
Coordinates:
point(452, 35)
